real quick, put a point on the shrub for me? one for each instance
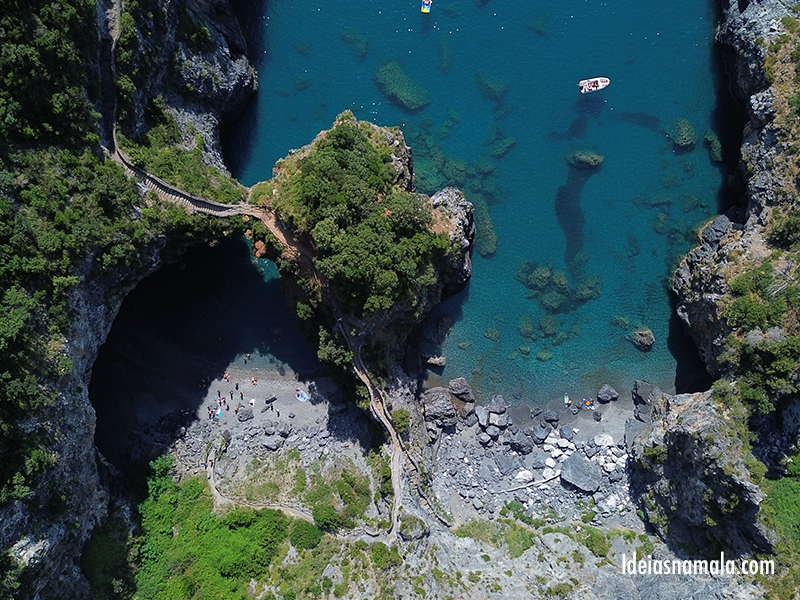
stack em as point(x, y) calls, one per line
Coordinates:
point(384, 557)
point(305, 535)
point(326, 517)
point(401, 419)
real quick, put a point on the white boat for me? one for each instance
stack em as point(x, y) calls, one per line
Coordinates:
point(593, 84)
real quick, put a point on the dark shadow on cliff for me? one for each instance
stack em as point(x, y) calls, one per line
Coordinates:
point(435, 329)
point(690, 370)
point(238, 137)
point(180, 329)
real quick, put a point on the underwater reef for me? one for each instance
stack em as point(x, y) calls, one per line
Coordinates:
point(398, 86)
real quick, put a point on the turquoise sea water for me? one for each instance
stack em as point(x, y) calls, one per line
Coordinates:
point(626, 223)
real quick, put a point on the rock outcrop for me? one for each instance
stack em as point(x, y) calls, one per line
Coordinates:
point(45, 536)
point(192, 56)
point(745, 32)
point(689, 477)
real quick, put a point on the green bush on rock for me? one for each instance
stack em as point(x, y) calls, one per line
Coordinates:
point(374, 240)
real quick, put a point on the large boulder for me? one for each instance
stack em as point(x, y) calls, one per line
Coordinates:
point(461, 390)
point(520, 443)
point(643, 339)
point(497, 405)
point(483, 416)
point(438, 408)
point(607, 394)
point(581, 473)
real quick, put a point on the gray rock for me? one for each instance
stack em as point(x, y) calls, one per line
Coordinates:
point(520, 443)
point(644, 394)
point(643, 339)
point(461, 390)
point(483, 416)
point(471, 419)
point(497, 405)
point(245, 414)
point(566, 433)
point(540, 433)
point(273, 443)
point(505, 463)
point(581, 473)
point(716, 230)
point(538, 461)
point(438, 408)
point(607, 394)
point(550, 416)
point(498, 420)
point(484, 438)
point(493, 432)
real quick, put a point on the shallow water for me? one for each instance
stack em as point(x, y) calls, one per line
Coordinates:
point(627, 222)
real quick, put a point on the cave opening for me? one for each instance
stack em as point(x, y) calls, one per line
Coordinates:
point(217, 310)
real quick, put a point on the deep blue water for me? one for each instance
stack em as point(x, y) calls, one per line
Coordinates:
point(627, 223)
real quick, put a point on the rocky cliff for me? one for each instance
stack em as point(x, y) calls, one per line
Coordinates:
point(734, 242)
point(689, 477)
point(45, 534)
point(188, 57)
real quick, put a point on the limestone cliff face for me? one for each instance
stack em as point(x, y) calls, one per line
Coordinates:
point(46, 535)
point(729, 244)
point(688, 475)
point(191, 53)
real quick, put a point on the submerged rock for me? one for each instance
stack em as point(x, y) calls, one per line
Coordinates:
point(398, 86)
point(643, 339)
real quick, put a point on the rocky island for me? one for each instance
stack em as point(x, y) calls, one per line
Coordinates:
point(363, 482)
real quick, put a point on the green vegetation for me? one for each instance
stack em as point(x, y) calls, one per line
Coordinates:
point(374, 241)
point(158, 152)
point(401, 419)
point(336, 491)
point(185, 549)
point(43, 57)
point(305, 535)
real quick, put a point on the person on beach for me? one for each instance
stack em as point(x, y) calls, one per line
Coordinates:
point(236, 385)
point(231, 394)
point(252, 402)
point(241, 396)
point(218, 394)
point(236, 410)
